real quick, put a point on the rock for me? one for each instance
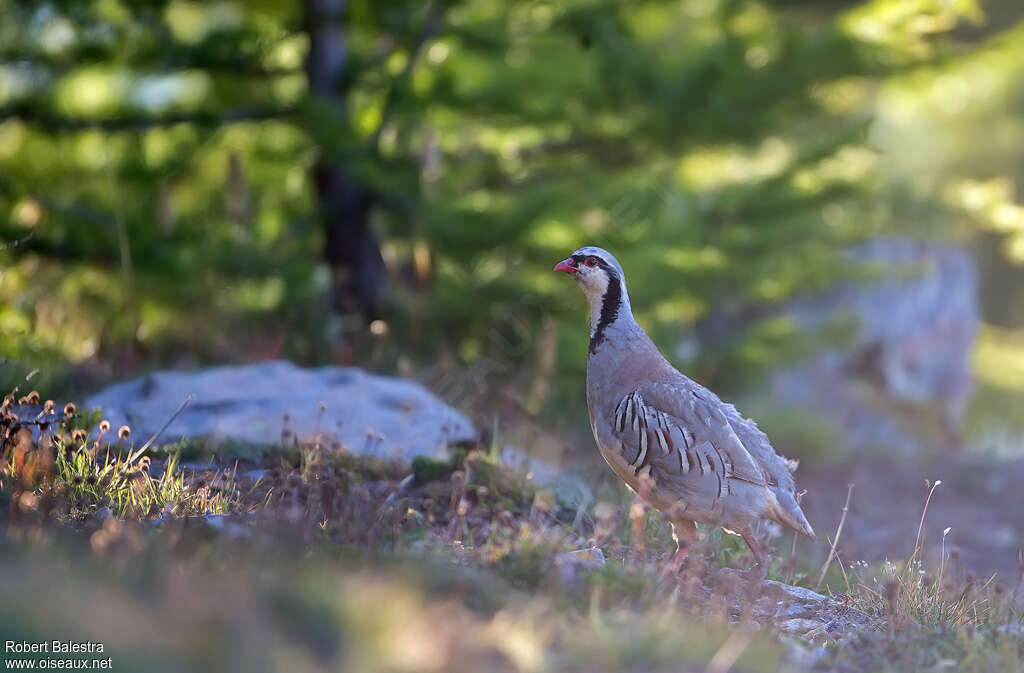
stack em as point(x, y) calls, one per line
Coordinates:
point(910, 332)
point(230, 525)
point(279, 402)
point(913, 337)
point(792, 610)
point(793, 594)
point(570, 488)
point(804, 628)
point(1012, 630)
point(799, 657)
point(571, 563)
point(796, 609)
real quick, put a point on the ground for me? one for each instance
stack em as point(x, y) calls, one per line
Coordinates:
point(980, 500)
point(306, 557)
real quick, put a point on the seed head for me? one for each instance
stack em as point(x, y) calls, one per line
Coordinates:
point(124, 432)
point(33, 397)
point(104, 425)
point(70, 409)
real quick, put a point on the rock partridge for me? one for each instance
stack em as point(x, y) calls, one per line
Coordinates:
point(673, 441)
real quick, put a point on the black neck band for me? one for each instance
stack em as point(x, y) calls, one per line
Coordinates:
point(610, 304)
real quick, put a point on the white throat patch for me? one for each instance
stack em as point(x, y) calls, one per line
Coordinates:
point(595, 290)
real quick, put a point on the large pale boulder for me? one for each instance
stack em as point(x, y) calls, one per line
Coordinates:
point(271, 402)
point(914, 331)
point(907, 331)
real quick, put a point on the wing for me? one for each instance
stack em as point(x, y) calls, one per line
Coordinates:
point(685, 442)
point(691, 442)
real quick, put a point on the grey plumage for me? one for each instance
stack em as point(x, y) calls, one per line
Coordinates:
point(670, 439)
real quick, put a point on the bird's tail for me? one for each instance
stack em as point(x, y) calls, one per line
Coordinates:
point(788, 512)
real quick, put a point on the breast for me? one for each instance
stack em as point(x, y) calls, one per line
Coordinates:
point(612, 451)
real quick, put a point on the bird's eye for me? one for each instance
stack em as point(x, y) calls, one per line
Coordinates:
point(591, 261)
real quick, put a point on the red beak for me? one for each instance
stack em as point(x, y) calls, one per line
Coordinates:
point(566, 266)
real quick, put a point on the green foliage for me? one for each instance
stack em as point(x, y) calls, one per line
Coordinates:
point(156, 162)
point(68, 464)
point(318, 611)
point(620, 584)
point(470, 564)
point(122, 482)
point(527, 563)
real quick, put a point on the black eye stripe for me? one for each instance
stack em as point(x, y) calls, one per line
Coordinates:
point(601, 264)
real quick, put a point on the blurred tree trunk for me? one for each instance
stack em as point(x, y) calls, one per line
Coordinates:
point(350, 248)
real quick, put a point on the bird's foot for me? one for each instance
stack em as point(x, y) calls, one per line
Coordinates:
point(756, 573)
point(670, 570)
point(753, 575)
point(673, 567)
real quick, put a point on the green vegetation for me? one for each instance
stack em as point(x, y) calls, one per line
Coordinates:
point(353, 563)
point(388, 183)
point(124, 485)
point(158, 199)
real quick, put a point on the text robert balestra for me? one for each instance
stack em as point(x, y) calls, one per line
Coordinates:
point(52, 647)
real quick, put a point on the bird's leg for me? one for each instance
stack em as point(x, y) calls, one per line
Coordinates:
point(638, 516)
point(638, 510)
point(684, 532)
point(760, 569)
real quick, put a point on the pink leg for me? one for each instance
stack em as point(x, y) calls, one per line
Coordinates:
point(685, 533)
point(638, 511)
point(760, 569)
point(638, 516)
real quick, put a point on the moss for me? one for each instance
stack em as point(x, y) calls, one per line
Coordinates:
point(618, 583)
point(526, 566)
point(427, 469)
point(516, 492)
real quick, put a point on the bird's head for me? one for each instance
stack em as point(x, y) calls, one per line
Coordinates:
point(603, 282)
point(595, 271)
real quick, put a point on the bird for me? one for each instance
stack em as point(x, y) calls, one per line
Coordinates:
point(677, 445)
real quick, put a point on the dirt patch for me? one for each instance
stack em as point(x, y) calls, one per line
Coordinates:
point(981, 500)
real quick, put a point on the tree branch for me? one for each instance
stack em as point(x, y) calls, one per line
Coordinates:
point(137, 122)
point(8, 245)
point(431, 27)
